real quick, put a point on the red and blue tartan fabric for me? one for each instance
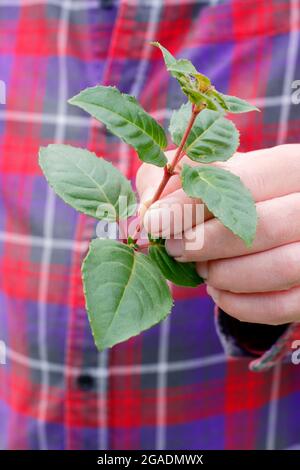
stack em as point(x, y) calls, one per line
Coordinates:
point(172, 387)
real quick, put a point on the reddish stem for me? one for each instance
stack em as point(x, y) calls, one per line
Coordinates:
point(169, 169)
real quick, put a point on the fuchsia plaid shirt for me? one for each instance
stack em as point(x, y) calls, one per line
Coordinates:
point(171, 387)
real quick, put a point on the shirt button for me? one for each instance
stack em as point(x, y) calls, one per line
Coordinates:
point(85, 382)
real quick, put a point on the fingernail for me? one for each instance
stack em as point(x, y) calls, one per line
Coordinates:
point(213, 293)
point(202, 270)
point(174, 247)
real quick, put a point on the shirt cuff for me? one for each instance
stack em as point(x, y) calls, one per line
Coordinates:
point(265, 344)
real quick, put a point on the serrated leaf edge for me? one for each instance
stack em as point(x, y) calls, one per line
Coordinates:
point(249, 239)
point(83, 271)
point(68, 203)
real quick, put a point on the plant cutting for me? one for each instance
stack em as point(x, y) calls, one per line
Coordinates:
point(126, 289)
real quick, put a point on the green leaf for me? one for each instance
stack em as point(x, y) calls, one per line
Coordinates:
point(237, 105)
point(124, 117)
point(182, 66)
point(193, 83)
point(174, 66)
point(218, 98)
point(225, 196)
point(198, 87)
point(125, 292)
point(181, 274)
point(212, 136)
point(198, 98)
point(87, 183)
point(203, 81)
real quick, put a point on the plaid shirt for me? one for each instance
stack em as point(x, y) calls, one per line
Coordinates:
point(171, 387)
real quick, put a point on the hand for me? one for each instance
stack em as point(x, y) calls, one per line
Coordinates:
point(259, 284)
